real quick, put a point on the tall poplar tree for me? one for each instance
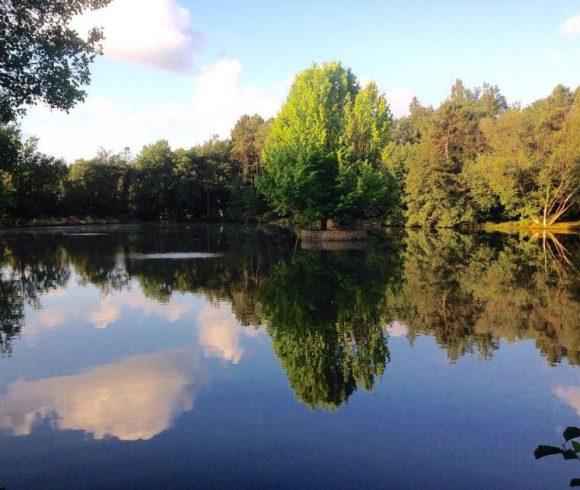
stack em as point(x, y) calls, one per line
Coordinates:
point(301, 151)
point(322, 158)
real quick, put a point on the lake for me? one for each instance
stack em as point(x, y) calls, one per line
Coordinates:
point(230, 356)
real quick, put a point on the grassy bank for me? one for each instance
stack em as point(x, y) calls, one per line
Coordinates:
point(529, 226)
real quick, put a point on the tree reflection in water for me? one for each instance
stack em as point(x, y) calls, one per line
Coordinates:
point(325, 311)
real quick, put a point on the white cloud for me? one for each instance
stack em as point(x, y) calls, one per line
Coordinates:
point(571, 26)
point(101, 311)
point(219, 97)
point(109, 309)
point(153, 32)
point(399, 99)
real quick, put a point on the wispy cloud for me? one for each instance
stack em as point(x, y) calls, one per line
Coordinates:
point(571, 26)
point(219, 96)
point(220, 333)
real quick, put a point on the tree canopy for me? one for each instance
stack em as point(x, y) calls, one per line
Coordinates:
point(334, 153)
point(321, 157)
point(41, 57)
point(479, 160)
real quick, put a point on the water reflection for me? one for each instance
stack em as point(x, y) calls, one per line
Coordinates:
point(323, 312)
point(570, 395)
point(187, 369)
point(220, 333)
point(329, 314)
point(137, 398)
point(470, 291)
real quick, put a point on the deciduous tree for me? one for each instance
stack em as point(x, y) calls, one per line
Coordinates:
point(42, 58)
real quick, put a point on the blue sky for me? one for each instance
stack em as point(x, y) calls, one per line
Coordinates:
point(186, 69)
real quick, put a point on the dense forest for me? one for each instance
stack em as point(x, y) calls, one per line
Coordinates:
point(334, 152)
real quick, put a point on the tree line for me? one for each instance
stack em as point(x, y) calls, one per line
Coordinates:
point(333, 153)
point(208, 182)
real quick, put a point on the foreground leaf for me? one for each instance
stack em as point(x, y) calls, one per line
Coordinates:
point(542, 451)
point(571, 433)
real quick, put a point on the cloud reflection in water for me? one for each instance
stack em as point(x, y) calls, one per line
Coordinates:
point(134, 399)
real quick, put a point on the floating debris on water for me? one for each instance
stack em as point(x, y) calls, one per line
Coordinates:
point(175, 256)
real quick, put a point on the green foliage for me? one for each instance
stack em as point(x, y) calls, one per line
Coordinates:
point(532, 166)
point(188, 193)
point(99, 187)
point(409, 130)
point(435, 192)
point(323, 314)
point(42, 57)
point(478, 160)
point(9, 148)
point(322, 158)
point(151, 188)
point(39, 183)
point(248, 137)
point(301, 152)
point(366, 189)
point(247, 143)
point(217, 172)
point(6, 195)
point(335, 153)
point(367, 126)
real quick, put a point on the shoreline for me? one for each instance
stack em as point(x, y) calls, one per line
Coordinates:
point(571, 227)
point(565, 227)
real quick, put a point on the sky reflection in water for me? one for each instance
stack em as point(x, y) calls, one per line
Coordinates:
point(424, 360)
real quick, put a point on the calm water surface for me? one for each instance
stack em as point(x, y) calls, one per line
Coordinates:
point(230, 357)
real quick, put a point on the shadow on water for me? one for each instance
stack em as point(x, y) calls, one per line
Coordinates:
point(325, 311)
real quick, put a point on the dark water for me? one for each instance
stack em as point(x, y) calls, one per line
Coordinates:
point(229, 357)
